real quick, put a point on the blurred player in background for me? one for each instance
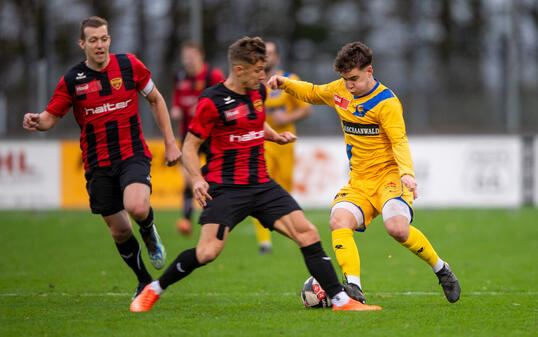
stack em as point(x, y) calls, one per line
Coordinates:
point(103, 91)
point(283, 110)
point(382, 178)
point(235, 183)
point(189, 83)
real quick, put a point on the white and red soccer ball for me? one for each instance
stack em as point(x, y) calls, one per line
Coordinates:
point(313, 295)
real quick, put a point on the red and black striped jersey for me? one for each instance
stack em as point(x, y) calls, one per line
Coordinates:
point(187, 89)
point(105, 104)
point(232, 125)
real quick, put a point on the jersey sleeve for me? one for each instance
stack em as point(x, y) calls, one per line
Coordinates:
point(204, 119)
point(61, 100)
point(311, 93)
point(141, 76)
point(391, 118)
point(296, 103)
point(216, 76)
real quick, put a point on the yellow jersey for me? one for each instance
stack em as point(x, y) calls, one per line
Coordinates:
point(373, 126)
point(279, 99)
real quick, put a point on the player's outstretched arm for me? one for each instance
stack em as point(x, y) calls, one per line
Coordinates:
point(281, 138)
point(39, 122)
point(191, 161)
point(160, 113)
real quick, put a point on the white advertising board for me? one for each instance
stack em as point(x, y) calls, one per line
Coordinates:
point(451, 171)
point(321, 169)
point(468, 171)
point(29, 174)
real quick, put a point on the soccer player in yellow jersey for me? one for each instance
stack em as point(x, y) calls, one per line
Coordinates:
point(381, 179)
point(283, 110)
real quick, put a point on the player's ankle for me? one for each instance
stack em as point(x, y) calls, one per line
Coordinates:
point(340, 299)
point(156, 287)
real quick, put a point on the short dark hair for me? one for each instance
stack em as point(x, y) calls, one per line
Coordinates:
point(353, 55)
point(247, 49)
point(92, 21)
point(193, 45)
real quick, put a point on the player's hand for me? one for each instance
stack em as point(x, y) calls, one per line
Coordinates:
point(409, 182)
point(275, 82)
point(31, 121)
point(172, 154)
point(285, 138)
point(199, 189)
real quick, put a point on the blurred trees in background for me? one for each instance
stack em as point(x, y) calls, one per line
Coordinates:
point(458, 66)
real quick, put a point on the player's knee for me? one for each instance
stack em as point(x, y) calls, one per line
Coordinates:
point(121, 234)
point(207, 254)
point(398, 228)
point(137, 210)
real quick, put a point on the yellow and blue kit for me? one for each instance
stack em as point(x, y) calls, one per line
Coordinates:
point(376, 142)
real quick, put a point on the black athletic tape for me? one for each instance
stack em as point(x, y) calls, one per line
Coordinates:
point(220, 232)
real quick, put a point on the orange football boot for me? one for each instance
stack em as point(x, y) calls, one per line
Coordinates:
point(353, 305)
point(184, 227)
point(145, 300)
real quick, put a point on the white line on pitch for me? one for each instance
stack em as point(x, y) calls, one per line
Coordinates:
point(396, 293)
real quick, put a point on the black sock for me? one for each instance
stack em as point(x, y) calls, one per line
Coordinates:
point(320, 266)
point(130, 252)
point(147, 223)
point(182, 266)
point(187, 202)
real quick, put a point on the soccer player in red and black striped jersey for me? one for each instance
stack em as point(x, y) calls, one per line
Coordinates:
point(234, 183)
point(103, 91)
point(188, 85)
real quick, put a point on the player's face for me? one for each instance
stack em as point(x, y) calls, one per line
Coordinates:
point(96, 45)
point(252, 75)
point(192, 61)
point(358, 81)
point(272, 56)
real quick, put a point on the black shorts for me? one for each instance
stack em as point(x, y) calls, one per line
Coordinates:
point(231, 204)
point(105, 185)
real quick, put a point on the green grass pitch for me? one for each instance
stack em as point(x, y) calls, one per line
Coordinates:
point(61, 276)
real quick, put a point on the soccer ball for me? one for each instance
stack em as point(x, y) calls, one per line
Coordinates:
point(313, 295)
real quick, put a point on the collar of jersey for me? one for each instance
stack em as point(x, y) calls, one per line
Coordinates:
point(369, 92)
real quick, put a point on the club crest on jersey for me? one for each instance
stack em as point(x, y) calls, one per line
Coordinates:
point(116, 83)
point(258, 105)
point(359, 111)
point(341, 101)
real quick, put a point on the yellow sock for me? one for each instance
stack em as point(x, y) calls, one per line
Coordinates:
point(346, 252)
point(420, 246)
point(262, 234)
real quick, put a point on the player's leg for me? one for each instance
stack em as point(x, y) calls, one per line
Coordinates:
point(106, 200)
point(397, 216)
point(184, 224)
point(345, 218)
point(128, 247)
point(137, 204)
point(212, 240)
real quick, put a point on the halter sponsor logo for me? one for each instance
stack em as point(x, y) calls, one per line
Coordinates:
point(360, 129)
point(252, 135)
point(107, 107)
point(341, 101)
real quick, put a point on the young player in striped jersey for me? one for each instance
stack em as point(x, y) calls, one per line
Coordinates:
point(234, 183)
point(103, 91)
point(382, 178)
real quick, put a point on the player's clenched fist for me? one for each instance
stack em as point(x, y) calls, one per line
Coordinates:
point(275, 81)
point(31, 121)
point(199, 189)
